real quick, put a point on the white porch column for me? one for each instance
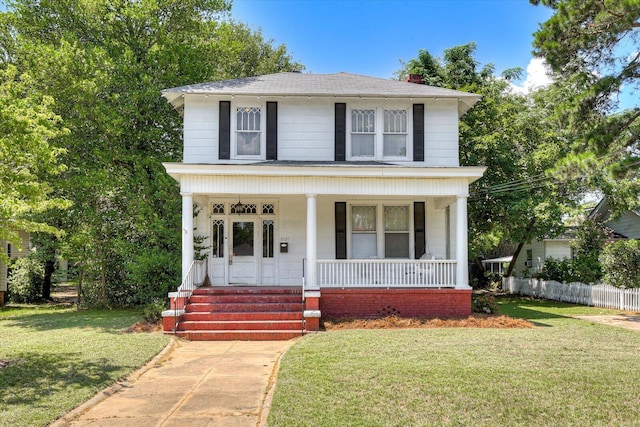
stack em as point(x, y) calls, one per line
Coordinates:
point(462, 244)
point(312, 242)
point(187, 232)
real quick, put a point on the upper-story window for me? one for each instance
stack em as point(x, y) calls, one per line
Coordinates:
point(395, 133)
point(248, 131)
point(363, 133)
point(370, 140)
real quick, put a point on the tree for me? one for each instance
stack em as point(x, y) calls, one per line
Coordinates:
point(106, 62)
point(513, 135)
point(28, 161)
point(593, 46)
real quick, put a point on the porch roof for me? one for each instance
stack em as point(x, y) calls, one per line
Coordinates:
point(344, 178)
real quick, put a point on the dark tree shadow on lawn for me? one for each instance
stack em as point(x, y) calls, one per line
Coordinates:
point(525, 308)
point(103, 320)
point(29, 375)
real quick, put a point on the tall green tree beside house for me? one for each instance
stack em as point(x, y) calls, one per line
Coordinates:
point(105, 63)
point(594, 46)
point(28, 160)
point(518, 140)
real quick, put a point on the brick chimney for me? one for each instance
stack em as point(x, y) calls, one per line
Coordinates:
point(415, 78)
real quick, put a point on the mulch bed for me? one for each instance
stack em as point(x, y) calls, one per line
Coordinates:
point(393, 322)
point(144, 327)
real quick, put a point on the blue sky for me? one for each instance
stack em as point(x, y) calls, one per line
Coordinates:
point(371, 36)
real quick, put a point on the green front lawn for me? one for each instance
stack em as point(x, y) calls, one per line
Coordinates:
point(563, 372)
point(58, 358)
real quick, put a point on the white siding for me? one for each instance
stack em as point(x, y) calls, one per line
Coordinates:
point(306, 128)
point(200, 130)
point(436, 231)
point(627, 225)
point(558, 249)
point(441, 133)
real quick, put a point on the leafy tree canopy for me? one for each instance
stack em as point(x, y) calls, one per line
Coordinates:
point(27, 158)
point(518, 140)
point(593, 47)
point(105, 63)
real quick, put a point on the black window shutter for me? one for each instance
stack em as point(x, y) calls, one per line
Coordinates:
point(419, 228)
point(224, 130)
point(341, 230)
point(341, 132)
point(418, 132)
point(272, 131)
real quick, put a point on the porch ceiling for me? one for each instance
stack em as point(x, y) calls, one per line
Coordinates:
point(343, 179)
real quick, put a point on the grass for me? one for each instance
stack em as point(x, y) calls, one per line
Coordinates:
point(59, 357)
point(563, 372)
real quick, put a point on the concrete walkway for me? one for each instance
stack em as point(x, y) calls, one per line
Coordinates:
point(628, 321)
point(224, 383)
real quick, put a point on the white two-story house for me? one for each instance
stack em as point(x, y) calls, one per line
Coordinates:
point(347, 184)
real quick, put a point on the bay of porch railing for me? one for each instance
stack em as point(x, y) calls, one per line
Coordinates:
point(386, 273)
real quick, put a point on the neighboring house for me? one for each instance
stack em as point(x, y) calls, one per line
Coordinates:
point(532, 256)
point(352, 182)
point(12, 252)
point(628, 224)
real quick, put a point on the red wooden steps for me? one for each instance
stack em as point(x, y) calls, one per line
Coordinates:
point(242, 313)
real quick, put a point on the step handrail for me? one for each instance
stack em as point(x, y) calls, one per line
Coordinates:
point(304, 261)
point(185, 290)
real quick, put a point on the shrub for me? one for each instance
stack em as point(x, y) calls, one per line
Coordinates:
point(26, 280)
point(152, 312)
point(621, 264)
point(560, 270)
point(484, 303)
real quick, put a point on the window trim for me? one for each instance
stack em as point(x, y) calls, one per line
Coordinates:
point(234, 130)
point(380, 231)
point(378, 148)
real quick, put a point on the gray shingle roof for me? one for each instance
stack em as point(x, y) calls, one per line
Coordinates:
point(303, 84)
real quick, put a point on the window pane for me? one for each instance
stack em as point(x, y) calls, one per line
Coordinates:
point(362, 145)
point(395, 145)
point(363, 245)
point(396, 218)
point(218, 239)
point(396, 245)
point(363, 218)
point(248, 118)
point(363, 121)
point(248, 143)
point(395, 121)
point(267, 238)
point(243, 238)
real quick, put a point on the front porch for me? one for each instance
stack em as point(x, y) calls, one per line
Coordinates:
point(358, 240)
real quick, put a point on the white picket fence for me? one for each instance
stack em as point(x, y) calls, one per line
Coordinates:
point(600, 295)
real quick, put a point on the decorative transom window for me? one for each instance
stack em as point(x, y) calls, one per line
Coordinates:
point(268, 209)
point(248, 131)
point(369, 231)
point(363, 133)
point(249, 208)
point(395, 133)
point(218, 208)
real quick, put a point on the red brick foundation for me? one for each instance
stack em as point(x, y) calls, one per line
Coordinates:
point(372, 303)
point(1, 298)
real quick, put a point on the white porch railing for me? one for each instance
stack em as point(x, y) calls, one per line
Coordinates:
point(386, 273)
